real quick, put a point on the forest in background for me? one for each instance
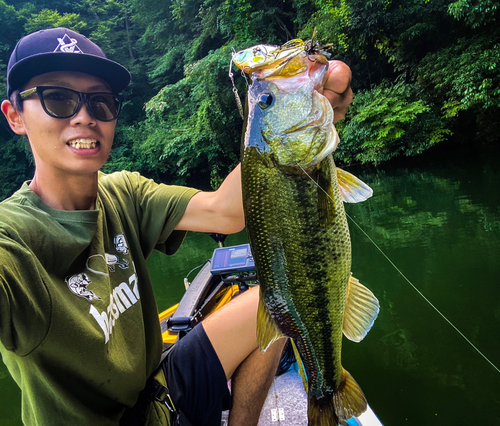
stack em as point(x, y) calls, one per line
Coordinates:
point(424, 72)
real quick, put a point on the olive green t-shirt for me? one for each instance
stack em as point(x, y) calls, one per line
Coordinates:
point(79, 329)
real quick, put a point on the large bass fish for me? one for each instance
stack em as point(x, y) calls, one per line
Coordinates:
point(296, 223)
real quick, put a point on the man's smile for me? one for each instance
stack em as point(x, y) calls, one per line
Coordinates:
point(83, 143)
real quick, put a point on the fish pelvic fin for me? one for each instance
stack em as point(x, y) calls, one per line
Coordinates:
point(267, 330)
point(347, 401)
point(352, 189)
point(361, 310)
point(302, 371)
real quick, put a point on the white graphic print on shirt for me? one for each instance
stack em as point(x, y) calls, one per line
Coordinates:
point(122, 297)
point(78, 285)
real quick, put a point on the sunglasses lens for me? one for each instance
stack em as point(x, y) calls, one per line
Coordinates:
point(59, 102)
point(63, 103)
point(105, 107)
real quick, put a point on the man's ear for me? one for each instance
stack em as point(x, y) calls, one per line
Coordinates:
point(13, 117)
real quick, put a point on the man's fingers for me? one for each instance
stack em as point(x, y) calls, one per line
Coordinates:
point(337, 88)
point(340, 102)
point(339, 77)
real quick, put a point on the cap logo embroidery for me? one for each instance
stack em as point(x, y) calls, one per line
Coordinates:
point(67, 45)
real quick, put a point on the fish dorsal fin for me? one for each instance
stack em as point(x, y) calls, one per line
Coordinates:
point(361, 310)
point(352, 189)
point(267, 330)
point(302, 371)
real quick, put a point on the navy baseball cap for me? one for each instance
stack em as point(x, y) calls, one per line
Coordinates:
point(61, 49)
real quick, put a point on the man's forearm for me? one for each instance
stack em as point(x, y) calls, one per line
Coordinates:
point(220, 211)
point(230, 200)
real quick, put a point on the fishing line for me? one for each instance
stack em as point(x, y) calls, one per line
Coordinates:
point(422, 295)
point(235, 90)
point(290, 46)
point(405, 278)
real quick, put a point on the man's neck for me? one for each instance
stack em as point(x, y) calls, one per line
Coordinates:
point(66, 192)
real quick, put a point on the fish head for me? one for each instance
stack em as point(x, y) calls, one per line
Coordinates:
point(287, 116)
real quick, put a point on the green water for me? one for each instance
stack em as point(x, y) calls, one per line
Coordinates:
point(438, 219)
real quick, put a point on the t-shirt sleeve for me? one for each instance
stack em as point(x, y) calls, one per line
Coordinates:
point(158, 208)
point(24, 299)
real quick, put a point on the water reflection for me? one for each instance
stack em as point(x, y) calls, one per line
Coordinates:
point(441, 226)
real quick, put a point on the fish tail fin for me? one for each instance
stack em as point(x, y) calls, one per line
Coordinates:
point(321, 413)
point(267, 330)
point(347, 401)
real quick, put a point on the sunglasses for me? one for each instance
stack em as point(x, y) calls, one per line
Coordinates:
point(59, 102)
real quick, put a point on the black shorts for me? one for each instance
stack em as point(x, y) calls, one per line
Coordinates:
point(196, 379)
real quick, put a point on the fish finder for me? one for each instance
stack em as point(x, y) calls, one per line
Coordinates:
point(232, 259)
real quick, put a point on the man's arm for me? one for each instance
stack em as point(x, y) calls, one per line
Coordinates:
point(220, 211)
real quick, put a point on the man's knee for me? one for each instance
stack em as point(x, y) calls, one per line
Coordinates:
point(232, 330)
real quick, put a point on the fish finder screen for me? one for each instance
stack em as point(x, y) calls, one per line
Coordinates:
point(232, 259)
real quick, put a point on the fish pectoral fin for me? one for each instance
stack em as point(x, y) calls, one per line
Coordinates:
point(347, 401)
point(352, 189)
point(267, 330)
point(361, 310)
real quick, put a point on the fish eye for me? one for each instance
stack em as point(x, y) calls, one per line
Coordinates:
point(265, 100)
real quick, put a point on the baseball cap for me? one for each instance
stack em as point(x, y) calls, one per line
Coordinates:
point(61, 49)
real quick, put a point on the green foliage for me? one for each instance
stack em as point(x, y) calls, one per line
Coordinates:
point(16, 165)
point(47, 18)
point(331, 23)
point(424, 71)
point(466, 74)
point(475, 12)
point(193, 125)
point(10, 30)
point(387, 121)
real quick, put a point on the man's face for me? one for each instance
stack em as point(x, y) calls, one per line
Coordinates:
point(78, 145)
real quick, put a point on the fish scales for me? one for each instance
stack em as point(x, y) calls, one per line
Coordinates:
point(297, 227)
point(302, 254)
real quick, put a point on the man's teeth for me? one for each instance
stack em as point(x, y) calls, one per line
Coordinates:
point(83, 143)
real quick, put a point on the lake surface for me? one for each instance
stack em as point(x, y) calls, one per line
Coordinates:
point(438, 219)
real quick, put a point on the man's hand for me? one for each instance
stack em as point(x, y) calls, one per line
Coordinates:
point(337, 88)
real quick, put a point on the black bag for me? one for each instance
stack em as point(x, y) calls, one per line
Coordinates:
point(154, 407)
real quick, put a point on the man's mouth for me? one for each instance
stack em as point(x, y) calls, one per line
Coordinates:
point(83, 143)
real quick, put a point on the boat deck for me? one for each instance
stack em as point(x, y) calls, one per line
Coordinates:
point(286, 405)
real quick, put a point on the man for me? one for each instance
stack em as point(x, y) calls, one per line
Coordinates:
point(79, 335)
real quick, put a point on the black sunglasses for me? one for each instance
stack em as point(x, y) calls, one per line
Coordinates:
point(59, 102)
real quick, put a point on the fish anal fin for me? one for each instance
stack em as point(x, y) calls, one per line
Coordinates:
point(267, 330)
point(352, 189)
point(348, 400)
point(361, 310)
